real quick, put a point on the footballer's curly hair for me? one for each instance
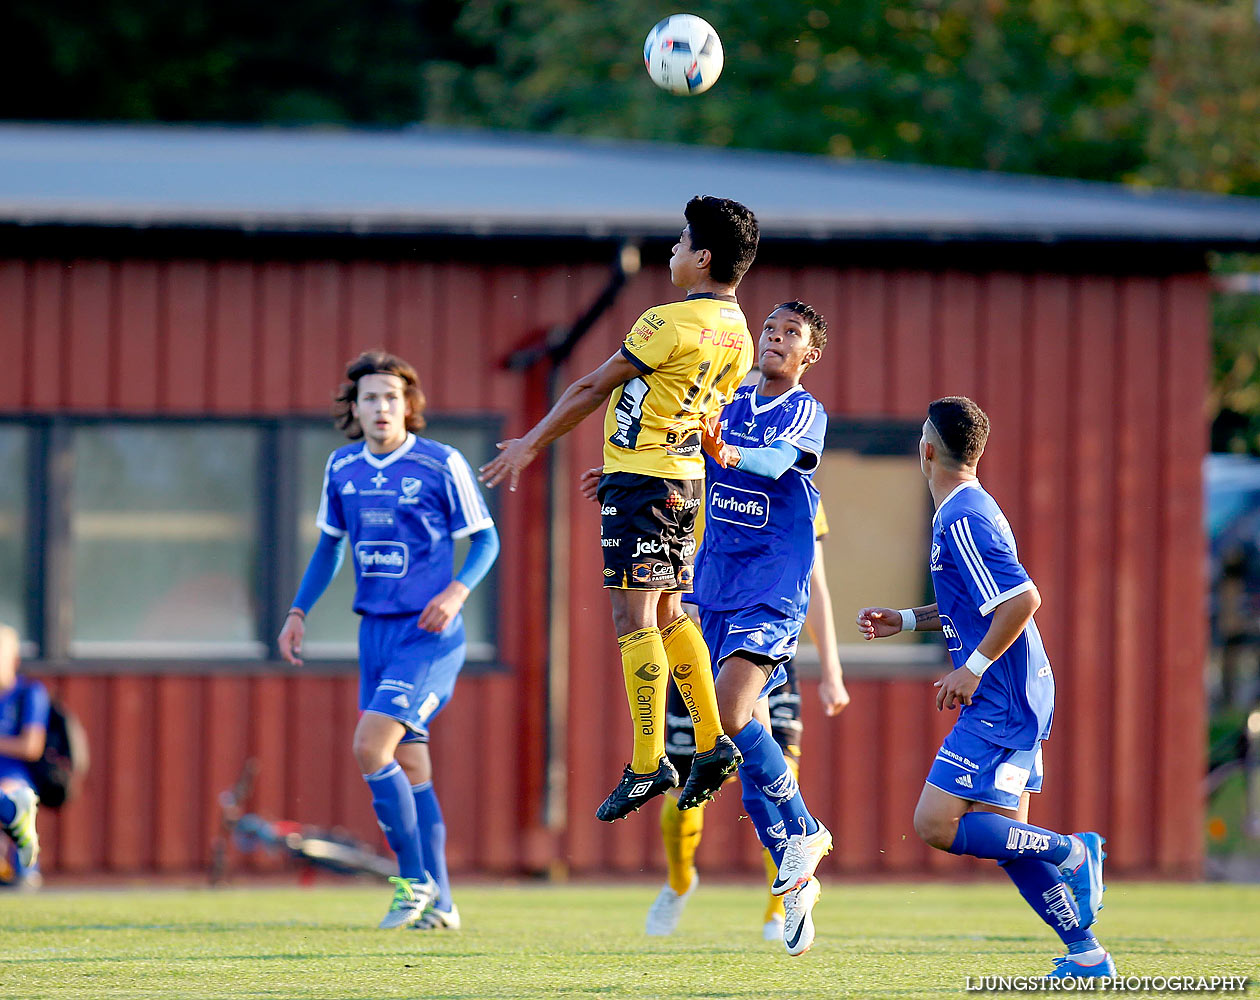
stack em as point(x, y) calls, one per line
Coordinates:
point(817, 324)
point(728, 230)
point(376, 362)
point(962, 427)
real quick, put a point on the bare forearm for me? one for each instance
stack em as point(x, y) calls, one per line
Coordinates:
point(578, 402)
point(27, 746)
point(1010, 618)
point(820, 622)
point(927, 619)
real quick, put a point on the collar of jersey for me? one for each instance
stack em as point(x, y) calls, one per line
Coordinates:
point(392, 457)
point(774, 400)
point(710, 295)
point(973, 484)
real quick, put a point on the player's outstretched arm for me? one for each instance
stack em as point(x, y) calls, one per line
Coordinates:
point(711, 441)
point(820, 621)
point(588, 483)
point(880, 623)
point(575, 404)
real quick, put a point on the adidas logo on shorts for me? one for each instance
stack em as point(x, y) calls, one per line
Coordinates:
point(401, 701)
point(965, 780)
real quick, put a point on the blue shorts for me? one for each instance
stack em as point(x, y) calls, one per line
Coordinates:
point(407, 673)
point(767, 635)
point(974, 769)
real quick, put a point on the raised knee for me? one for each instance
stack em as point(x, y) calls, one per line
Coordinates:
point(369, 756)
point(733, 721)
point(733, 714)
point(935, 831)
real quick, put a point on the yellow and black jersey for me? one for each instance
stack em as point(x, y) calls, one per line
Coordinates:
point(693, 355)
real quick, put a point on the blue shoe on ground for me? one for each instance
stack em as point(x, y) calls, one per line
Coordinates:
point(1086, 880)
point(1067, 967)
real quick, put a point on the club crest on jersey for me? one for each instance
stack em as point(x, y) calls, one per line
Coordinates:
point(770, 434)
point(410, 486)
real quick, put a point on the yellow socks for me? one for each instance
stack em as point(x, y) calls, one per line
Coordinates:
point(774, 905)
point(642, 659)
point(680, 831)
point(692, 670)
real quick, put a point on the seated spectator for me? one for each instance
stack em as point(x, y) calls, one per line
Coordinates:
point(23, 725)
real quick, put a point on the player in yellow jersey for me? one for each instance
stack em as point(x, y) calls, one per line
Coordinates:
point(678, 366)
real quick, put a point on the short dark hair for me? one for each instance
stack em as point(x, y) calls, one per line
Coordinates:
point(817, 324)
point(728, 230)
point(376, 362)
point(963, 428)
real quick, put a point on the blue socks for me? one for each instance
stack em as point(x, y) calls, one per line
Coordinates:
point(432, 835)
point(765, 769)
point(765, 821)
point(396, 812)
point(8, 810)
point(988, 835)
point(1043, 888)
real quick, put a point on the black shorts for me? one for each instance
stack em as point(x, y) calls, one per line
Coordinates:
point(785, 723)
point(785, 714)
point(648, 530)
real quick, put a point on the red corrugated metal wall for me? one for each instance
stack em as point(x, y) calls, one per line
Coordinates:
point(1095, 386)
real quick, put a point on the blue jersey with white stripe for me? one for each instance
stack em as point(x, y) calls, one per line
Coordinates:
point(975, 567)
point(402, 512)
point(758, 545)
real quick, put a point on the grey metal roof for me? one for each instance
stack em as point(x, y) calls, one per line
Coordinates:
point(423, 180)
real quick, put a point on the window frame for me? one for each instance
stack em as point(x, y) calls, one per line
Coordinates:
point(48, 557)
point(926, 657)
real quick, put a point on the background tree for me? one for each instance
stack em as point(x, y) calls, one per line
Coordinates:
point(317, 61)
point(1020, 85)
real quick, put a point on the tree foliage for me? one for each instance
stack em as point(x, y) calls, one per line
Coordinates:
point(318, 61)
point(1021, 85)
point(1203, 91)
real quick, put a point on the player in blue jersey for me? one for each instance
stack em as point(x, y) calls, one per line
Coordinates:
point(752, 586)
point(399, 502)
point(976, 797)
point(23, 725)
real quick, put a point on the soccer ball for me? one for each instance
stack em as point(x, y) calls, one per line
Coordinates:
point(683, 54)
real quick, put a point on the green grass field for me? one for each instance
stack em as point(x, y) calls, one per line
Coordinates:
point(877, 941)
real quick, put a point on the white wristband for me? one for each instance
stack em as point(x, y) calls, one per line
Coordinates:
point(978, 663)
point(908, 621)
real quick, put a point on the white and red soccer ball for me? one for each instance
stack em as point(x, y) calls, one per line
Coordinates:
point(683, 54)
